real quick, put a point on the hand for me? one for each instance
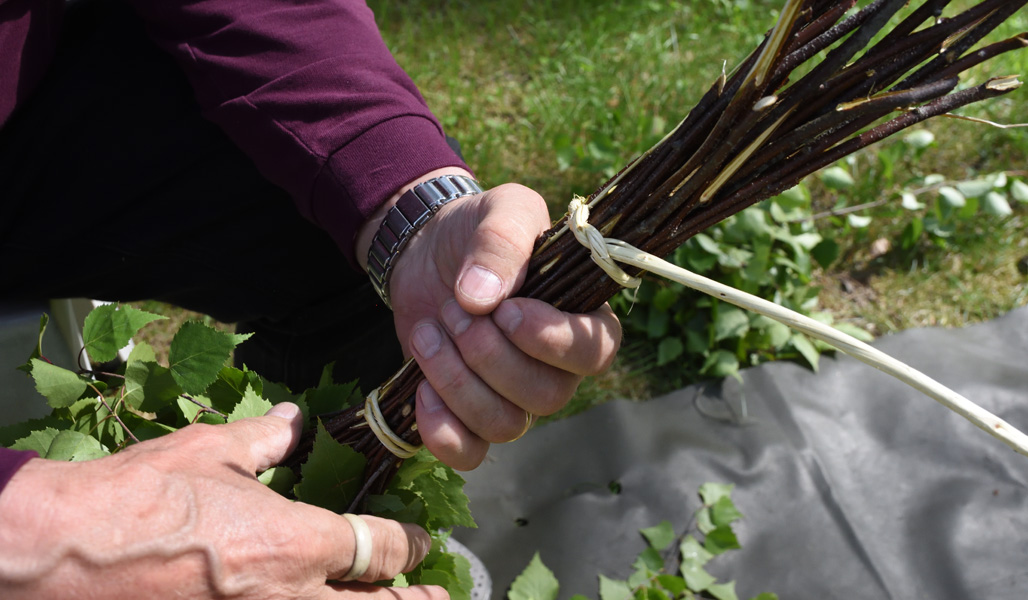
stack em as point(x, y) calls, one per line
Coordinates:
point(183, 516)
point(491, 361)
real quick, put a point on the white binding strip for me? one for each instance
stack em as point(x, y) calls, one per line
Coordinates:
point(376, 421)
point(620, 251)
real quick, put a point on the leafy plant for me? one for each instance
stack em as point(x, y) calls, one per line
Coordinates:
point(764, 250)
point(95, 414)
point(670, 567)
point(925, 207)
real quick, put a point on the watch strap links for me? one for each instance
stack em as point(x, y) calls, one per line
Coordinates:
point(412, 210)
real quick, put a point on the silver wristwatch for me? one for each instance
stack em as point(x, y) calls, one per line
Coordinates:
point(414, 208)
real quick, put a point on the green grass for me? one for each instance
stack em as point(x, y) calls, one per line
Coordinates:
point(556, 94)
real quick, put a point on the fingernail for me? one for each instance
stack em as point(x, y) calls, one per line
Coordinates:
point(480, 284)
point(285, 410)
point(430, 400)
point(508, 316)
point(456, 319)
point(427, 339)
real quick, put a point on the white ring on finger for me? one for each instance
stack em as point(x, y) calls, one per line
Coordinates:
point(361, 547)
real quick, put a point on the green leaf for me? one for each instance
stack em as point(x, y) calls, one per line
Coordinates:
point(1018, 189)
point(659, 536)
point(996, 204)
point(332, 474)
point(665, 298)
point(723, 591)
point(910, 202)
point(721, 363)
point(59, 386)
point(149, 387)
point(613, 589)
point(693, 553)
point(38, 440)
point(837, 178)
point(724, 512)
point(279, 479)
point(332, 398)
point(765, 596)
point(37, 352)
point(674, 585)
point(657, 324)
point(142, 352)
point(974, 188)
point(75, 446)
point(721, 539)
point(251, 405)
point(919, 138)
point(732, 322)
point(198, 353)
point(450, 571)
point(952, 197)
point(694, 557)
point(704, 522)
point(912, 232)
point(439, 487)
point(806, 348)
point(536, 582)
point(191, 409)
point(826, 252)
point(110, 327)
point(669, 349)
point(858, 221)
point(279, 393)
point(648, 563)
point(794, 197)
point(710, 492)
point(10, 434)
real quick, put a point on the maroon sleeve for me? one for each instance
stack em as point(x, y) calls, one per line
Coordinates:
point(311, 93)
point(10, 462)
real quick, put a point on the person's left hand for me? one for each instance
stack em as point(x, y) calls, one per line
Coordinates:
point(491, 362)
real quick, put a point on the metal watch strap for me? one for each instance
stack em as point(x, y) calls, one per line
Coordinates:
point(414, 208)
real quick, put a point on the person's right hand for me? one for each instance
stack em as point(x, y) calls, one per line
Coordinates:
point(183, 516)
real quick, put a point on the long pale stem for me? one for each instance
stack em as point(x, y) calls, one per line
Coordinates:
point(984, 419)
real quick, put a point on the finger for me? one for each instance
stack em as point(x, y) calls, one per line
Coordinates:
point(445, 436)
point(512, 217)
point(579, 343)
point(342, 591)
point(263, 442)
point(395, 547)
point(485, 413)
point(531, 384)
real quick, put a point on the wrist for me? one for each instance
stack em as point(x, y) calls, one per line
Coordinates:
point(367, 231)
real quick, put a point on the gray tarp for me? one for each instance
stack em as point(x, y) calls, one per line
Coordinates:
point(852, 484)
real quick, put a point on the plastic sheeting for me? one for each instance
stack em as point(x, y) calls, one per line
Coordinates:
point(852, 484)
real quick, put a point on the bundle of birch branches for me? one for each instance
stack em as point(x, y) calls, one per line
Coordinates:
point(756, 132)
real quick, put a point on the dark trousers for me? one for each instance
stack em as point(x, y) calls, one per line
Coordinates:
point(112, 186)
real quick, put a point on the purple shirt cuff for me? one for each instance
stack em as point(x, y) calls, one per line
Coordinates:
point(362, 175)
point(10, 462)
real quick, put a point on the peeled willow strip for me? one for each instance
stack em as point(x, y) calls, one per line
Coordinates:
point(630, 255)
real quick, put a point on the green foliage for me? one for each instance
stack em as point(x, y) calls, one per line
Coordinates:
point(143, 399)
point(653, 577)
point(927, 208)
point(764, 250)
point(109, 328)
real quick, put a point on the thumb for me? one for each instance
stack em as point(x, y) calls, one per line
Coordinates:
point(510, 218)
point(271, 438)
